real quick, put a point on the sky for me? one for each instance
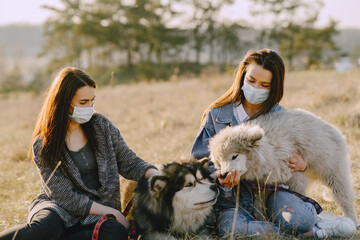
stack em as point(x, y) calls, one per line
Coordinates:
point(346, 12)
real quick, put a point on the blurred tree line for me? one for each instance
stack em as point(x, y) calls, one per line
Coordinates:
point(138, 39)
point(293, 31)
point(121, 40)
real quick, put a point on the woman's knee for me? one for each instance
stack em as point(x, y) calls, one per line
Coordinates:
point(291, 213)
point(112, 229)
point(46, 223)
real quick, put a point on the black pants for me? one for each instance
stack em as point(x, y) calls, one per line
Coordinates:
point(47, 225)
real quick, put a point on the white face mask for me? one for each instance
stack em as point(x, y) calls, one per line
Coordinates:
point(82, 114)
point(254, 95)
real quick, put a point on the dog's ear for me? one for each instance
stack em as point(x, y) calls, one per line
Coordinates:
point(158, 183)
point(254, 134)
point(204, 162)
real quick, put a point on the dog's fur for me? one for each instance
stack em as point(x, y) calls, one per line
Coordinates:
point(259, 150)
point(178, 202)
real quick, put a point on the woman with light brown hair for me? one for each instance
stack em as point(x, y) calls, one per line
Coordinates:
point(79, 155)
point(257, 89)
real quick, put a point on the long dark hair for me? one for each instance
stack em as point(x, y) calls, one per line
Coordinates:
point(268, 59)
point(53, 119)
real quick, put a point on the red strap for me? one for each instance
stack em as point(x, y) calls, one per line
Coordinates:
point(95, 234)
point(133, 233)
point(127, 208)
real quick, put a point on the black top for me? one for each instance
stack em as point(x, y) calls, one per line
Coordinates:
point(85, 160)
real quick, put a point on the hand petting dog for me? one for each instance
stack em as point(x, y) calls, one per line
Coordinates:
point(151, 172)
point(297, 163)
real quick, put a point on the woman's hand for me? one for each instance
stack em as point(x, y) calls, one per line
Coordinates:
point(151, 172)
point(296, 163)
point(121, 219)
point(232, 178)
point(99, 209)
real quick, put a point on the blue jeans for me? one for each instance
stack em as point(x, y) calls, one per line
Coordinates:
point(286, 213)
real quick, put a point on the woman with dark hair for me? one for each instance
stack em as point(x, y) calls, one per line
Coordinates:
point(79, 155)
point(257, 89)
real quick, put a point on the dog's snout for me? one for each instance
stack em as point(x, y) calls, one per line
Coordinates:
point(224, 175)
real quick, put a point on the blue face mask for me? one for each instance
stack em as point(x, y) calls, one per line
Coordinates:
point(254, 95)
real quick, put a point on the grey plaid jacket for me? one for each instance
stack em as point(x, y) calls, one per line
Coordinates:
point(66, 194)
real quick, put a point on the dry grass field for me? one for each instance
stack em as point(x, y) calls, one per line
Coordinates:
point(159, 121)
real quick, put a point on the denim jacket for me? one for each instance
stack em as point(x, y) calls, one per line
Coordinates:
point(215, 120)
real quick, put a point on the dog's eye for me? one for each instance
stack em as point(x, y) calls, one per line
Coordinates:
point(233, 157)
point(190, 184)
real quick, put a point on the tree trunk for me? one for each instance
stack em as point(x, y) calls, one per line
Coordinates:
point(129, 56)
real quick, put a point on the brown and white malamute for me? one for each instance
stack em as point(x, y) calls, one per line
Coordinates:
point(177, 203)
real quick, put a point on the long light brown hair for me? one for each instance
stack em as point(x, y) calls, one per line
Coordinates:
point(269, 60)
point(53, 119)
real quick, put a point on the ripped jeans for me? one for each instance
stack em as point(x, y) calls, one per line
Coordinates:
point(286, 213)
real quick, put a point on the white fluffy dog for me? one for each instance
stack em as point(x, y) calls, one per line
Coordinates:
point(259, 150)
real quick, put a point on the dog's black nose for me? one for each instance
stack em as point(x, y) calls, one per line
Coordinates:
point(224, 175)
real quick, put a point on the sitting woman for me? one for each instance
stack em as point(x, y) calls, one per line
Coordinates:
point(79, 155)
point(258, 89)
